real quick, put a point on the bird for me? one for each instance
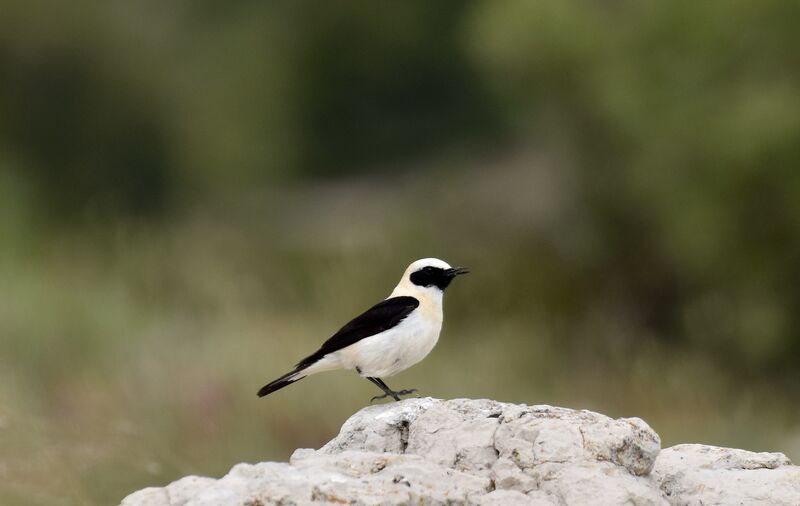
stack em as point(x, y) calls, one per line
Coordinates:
point(387, 338)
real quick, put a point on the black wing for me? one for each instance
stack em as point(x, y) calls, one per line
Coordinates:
point(382, 316)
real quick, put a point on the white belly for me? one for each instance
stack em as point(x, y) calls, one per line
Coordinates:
point(394, 350)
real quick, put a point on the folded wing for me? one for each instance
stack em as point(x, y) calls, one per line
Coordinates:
point(379, 318)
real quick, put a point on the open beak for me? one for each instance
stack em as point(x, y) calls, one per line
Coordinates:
point(457, 271)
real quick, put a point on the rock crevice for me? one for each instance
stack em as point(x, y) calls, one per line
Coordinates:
point(462, 451)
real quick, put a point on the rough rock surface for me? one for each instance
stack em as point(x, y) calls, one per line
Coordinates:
point(694, 474)
point(429, 451)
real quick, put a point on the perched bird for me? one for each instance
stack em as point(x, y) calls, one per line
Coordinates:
point(387, 338)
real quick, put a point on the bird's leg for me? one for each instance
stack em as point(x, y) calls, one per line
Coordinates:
point(383, 386)
point(388, 392)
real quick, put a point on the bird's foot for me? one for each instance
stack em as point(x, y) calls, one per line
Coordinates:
point(394, 395)
point(379, 397)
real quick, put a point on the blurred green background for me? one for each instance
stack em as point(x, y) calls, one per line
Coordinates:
point(194, 195)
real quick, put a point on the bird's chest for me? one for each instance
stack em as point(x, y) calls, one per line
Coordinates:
point(417, 339)
point(396, 349)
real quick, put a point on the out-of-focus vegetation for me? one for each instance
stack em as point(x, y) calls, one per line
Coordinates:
point(193, 195)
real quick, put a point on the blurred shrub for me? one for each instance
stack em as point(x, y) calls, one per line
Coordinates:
point(677, 125)
point(685, 122)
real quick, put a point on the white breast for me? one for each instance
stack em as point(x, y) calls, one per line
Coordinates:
point(396, 349)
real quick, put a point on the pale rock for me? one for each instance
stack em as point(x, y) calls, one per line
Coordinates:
point(483, 452)
point(692, 474)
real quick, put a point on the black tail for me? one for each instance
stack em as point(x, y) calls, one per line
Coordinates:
point(285, 380)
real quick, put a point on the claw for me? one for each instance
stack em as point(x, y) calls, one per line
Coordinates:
point(394, 395)
point(379, 397)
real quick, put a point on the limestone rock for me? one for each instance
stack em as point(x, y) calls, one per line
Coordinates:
point(483, 452)
point(692, 474)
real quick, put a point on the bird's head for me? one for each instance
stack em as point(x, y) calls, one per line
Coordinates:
point(430, 274)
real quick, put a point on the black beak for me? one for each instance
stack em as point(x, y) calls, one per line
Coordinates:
point(457, 271)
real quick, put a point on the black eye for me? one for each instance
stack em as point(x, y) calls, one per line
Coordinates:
point(428, 269)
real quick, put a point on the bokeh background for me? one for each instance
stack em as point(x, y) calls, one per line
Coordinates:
point(194, 194)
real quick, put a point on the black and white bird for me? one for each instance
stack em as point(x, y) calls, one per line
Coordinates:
point(389, 337)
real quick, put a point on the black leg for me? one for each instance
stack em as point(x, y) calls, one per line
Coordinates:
point(388, 392)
